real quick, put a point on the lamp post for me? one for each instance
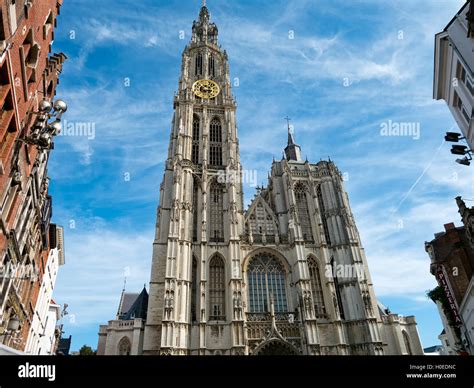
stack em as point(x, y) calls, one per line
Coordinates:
point(44, 129)
point(12, 327)
point(462, 150)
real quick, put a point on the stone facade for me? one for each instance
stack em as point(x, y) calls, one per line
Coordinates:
point(28, 75)
point(124, 335)
point(286, 276)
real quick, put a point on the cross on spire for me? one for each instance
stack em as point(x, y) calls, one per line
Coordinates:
point(203, 3)
point(288, 122)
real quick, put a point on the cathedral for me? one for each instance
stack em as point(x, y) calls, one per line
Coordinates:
point(286, 276)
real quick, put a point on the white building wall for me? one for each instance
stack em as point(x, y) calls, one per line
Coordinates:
point(454, 73)
point(47, 342)
point(37, 344)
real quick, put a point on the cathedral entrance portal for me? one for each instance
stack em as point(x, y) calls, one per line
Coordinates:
point(275, 347)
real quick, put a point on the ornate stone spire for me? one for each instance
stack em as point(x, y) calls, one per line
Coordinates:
point(292, 150)
point(203, 30)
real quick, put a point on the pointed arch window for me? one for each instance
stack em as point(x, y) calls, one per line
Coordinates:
point(303, 212)
point(406, 339)
point(216, 289)
point(323, 215)
point(195, 209)
point(316, 287)
point(194, 290)
point(124, 347)
point(215, 143)
point(261, 223)
point(266, 279)
point(195, 141)
point(212, 66)
point(198, 65)
point(217, 212)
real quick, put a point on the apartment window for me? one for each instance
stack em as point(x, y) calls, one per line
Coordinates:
point(462, 75)
point(461, 107)
point(2, 27)
point(13, 19)
point(48, 25)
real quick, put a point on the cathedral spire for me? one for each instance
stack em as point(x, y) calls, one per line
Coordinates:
point(292, 150)
point(203, 30)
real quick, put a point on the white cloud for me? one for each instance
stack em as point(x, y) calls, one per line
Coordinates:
point(97, 260)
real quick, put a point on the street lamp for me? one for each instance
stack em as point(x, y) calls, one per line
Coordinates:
point(43, 130)
point(454, 137)
point(13, 324)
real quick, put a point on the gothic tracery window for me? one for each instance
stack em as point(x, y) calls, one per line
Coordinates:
point(216, 212)
point(216, 289)
point(303, 212)
point(323, 215)
point(195, 209)
point(195, 142)
point(266, 279)
point(316, 287)
point(124, 347)
point(194, 290)
point(212, 66)
point(261, 223)
point(198, 65)
point(406, 339)
point(215, 143)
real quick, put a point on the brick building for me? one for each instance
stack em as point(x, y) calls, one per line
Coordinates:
point(452, 263)
point(28, 79)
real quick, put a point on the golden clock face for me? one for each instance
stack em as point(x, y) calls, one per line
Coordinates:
point(206, 89)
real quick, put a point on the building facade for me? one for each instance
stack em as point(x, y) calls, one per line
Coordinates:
point(454, 69)
point(286, 276)
point(452, 263)
point(28, 78)
point(43, 333)
point(124, 335)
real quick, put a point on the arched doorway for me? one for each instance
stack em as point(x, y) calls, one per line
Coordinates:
point(124, 347)
point(275, 347)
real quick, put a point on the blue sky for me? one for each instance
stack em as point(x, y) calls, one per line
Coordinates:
point(351, 67)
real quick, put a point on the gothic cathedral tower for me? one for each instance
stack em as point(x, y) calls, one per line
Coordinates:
point(264, 281)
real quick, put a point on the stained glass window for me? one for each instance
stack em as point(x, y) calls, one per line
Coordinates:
point(316, 288)
point(216, 289)
point(215, 143)
point(195, 144)
point(216, 213)
point(266, 278)
point(303, 212)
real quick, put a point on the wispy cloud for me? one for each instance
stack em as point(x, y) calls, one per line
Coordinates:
point(338, 68)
